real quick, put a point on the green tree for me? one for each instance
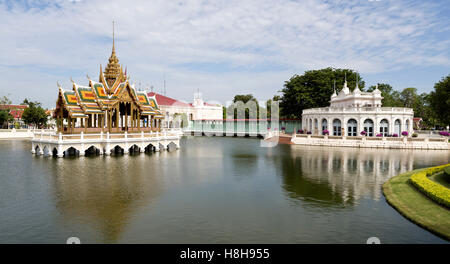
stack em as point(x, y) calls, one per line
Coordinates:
point(5, 101)
point(244, 98)
point(440, 100)
point(224, 110)
point(314, 89)
point(391, 97)
point(34, 114)
point(5, 117)
point(276, 98)
point(409, 97)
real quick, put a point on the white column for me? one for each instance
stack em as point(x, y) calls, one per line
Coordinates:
point(60, 153)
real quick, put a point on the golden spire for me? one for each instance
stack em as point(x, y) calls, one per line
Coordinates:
point(113, 49)
point(113, 69)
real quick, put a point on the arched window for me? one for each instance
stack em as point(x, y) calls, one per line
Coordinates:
point(398, 127)
point(324, 124)
point(368, 127)
point(384, 128)
point(337, 127)
point(352, 127)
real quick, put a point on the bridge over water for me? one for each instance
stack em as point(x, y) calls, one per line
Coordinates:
point(240, 127)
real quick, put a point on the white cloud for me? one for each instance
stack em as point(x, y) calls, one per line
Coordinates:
point(156, 37)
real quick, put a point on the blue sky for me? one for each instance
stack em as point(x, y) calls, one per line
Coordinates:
point(223, 47)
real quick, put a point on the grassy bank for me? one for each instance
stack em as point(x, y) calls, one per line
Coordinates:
point(417, 207)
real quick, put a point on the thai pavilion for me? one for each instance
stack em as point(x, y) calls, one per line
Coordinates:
point(104, 117)
point(110, 105)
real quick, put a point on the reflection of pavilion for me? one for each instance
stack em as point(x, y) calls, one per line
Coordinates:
point(105, 201)
point(348, 174)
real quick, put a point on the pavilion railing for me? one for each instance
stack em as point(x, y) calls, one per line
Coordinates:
point(55, 136)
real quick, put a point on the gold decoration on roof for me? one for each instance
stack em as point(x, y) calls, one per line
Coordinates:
point(113, 69)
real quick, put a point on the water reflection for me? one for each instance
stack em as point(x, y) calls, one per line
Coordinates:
point(342, 176)
point(211, 190)
point(104, 192)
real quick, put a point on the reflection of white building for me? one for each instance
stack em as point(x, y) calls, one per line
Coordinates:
point(350, 113)
point(359, 173)
point(198, 110)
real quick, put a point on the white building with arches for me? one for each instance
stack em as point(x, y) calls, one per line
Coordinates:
point(350, 113)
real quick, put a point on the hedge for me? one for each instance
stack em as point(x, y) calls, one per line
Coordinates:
point(433, 190)
point(447, 171)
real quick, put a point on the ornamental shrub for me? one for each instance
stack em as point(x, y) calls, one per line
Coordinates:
point(300, 131)
point(379, 135)
point(395, 135)
point(414, 135)
point(444, 133)
point(447, 171)
point(283, 128)
point(309, 132)
point(363, 133)
point(325, 132)
point(433, 190)
point(405, 133)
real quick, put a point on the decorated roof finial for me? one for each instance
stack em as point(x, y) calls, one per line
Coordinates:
point(113, 49)
point(345, 89)
point(112, 69)
point(357, 81)
point(334, 90)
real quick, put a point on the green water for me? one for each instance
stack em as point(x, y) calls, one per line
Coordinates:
point(212, 190)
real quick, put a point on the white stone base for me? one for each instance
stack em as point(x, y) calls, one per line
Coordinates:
point(103, 142)
point(371, 142)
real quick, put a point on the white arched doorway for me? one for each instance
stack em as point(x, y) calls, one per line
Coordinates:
point(324, 125)
point(398, 127)
point(337, 129)
point(352, 126)
point(384, 128)
point(368, 127)
point(316, 126)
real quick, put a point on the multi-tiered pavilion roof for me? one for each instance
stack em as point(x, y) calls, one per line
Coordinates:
point(111, 99)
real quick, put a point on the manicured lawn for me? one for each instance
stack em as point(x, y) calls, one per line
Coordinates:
point(417, 207)
point(441, 178)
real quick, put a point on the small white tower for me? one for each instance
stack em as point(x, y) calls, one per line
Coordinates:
point(198, 101)
point(357, 91)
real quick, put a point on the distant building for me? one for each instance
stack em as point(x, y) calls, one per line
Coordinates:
point(198, 110)
point(16, 111)
point(350, 113)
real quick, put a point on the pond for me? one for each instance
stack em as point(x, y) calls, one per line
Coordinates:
point(211, 190)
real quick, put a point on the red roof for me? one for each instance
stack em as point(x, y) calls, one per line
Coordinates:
point(417, 119)
point(17, 114)
point(167, 101)
point(3, 107)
